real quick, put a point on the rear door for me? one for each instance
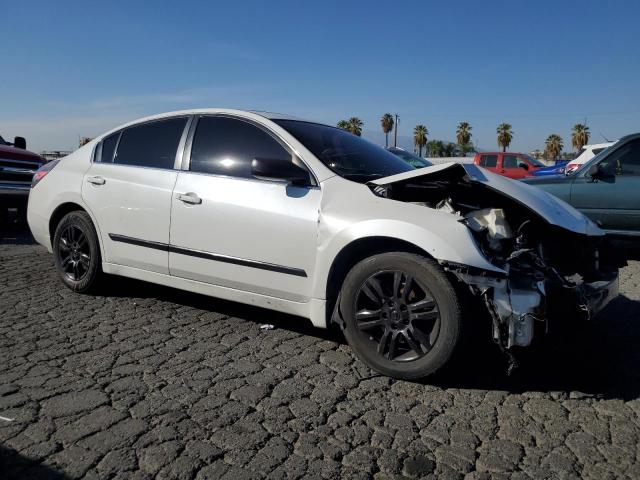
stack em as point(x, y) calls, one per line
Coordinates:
point(613, 200)
point(233, 230)
point(128, 189)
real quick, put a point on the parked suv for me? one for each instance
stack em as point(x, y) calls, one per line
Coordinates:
point(311, 220)
point(512, 165)
point(17, 167)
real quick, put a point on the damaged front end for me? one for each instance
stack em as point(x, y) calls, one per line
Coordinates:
point(553, 262)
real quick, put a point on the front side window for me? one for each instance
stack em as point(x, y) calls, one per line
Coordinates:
point(227, 146)
point(489, 161)
point(509, 161)
point(151, 144)
point(346, 154)
point(623, 161)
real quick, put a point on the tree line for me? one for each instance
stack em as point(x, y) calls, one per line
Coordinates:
point(553, 145)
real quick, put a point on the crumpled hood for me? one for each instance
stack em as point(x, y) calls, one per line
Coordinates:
point(550, 208)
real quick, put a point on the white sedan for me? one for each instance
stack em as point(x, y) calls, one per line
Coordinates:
point(586, 153)
point(311, 220)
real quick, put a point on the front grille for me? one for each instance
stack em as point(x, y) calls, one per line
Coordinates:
point(17, 171)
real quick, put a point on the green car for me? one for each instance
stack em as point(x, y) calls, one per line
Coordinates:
point(606, 188)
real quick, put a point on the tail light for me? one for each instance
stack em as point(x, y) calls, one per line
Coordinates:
point(42, 172)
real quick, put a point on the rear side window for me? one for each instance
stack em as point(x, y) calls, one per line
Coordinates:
point(151, 144)
point(226, 146)
point(107, 148)
point(488, 160)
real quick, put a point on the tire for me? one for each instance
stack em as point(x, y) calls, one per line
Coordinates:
point(74, 240)
point(423, 318)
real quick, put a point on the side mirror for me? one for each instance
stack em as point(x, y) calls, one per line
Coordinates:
point(279, 169)
point(525, 166)
point(595, 172)
point(20, 142)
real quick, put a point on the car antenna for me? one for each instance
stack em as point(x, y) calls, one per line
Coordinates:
point(605, 138)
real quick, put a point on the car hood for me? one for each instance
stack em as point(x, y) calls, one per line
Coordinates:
point(545, 205)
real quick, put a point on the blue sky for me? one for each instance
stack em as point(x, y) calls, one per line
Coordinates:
point(80, 68)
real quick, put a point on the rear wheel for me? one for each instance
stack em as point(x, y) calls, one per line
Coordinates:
point(402, 314)
point(76, 252)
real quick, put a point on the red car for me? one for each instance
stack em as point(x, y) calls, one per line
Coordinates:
point(17, 166)
point(512, 165)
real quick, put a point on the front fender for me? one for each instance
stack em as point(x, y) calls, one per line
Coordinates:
point(451, 241)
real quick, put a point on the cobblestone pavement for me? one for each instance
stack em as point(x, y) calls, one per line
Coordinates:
point(151, 382)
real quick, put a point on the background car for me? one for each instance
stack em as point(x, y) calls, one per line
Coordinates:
point(557, 169)
point(508, 164)
point(17, 166)
point(414, 160)
point(606, 188)
point(585, 154)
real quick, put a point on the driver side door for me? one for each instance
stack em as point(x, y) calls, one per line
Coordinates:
point(612, 199)
point(512, 167)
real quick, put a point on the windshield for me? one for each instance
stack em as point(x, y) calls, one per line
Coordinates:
point(535, 161)
point(413, 160)
point(346, 154)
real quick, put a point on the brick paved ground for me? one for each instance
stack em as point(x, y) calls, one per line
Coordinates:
point(151, 382)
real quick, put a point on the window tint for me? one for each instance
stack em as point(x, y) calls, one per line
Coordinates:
point(624, 161)
point(509, 161)
point(226, 146)
point(488, 161)
point(151, 144)
point(596, 151)
point(107, 147)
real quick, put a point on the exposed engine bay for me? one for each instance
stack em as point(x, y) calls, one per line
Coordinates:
point(549, 273)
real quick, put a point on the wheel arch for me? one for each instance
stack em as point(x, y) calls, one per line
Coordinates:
point(356, 251)
point(67, 207)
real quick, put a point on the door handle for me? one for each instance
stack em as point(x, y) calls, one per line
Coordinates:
point(96, 180)
point(190, 198)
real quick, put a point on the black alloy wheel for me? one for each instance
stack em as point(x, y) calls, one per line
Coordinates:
point(398, 314)
point(402, 315)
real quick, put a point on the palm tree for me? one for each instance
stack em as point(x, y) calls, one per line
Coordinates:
point(505, 135)
point(387, 125)
point(355, 126)
point(420, 137)
point(553, 146)
point(579, 135)
point(463, 136)
point(435, 148)
point(343, 124)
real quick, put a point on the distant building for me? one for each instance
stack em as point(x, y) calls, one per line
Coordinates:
point(84, 141)
point(54, 154)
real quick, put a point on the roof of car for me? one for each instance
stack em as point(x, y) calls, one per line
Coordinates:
point(205, 111)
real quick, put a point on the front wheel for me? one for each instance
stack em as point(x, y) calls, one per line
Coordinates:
point(402, 315)
point(76, 252)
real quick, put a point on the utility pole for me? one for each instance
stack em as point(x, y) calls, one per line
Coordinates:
point(395, 134)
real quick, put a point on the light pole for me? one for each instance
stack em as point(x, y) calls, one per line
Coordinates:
point(395, 134)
